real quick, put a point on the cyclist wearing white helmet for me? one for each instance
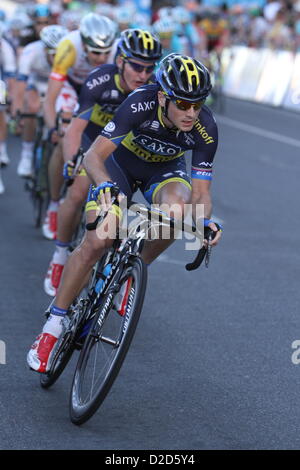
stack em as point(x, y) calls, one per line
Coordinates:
point(40, 16)
point(77, 54)
point(186, 31)
point(18, 27)
point(124, 16)
point(165, 30)
point(34, 69)
point(8, 68)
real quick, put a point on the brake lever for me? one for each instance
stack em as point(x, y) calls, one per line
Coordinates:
point(208, 249)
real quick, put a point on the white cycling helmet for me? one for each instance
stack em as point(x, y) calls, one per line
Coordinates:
point(19, 21)
point(51, 35)
point(165, 12)
point(181, 15)
point(70, 19)
point(164, 26)
point(105, 9)
point(98, 32)
point(124, 14)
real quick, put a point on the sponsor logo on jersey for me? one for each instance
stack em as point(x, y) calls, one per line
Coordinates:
point(145, 106)
point(157, 146)
point(98, 81)
point(203, 132)
point(155, 125)
point(57, 76)
point(206, 164)
point(110, 127)
point(188, 139)
point(202, 173)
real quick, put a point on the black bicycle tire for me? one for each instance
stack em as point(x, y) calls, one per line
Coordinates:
point(38, 209)
point(88, 410)
point(39, 191)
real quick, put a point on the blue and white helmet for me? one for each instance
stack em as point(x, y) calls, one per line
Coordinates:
point(51, 35)
point(98, 32)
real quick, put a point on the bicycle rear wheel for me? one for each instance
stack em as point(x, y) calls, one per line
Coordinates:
point(107, 344)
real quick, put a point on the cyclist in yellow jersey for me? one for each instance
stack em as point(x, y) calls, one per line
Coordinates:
point(77, 54)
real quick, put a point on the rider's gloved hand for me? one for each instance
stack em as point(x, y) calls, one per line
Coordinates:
point(68, 170)
point(216, 228)
point(103, 193)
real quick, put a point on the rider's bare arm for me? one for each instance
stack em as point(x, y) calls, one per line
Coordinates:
point(54, 88)
point(72, 137)
point(95, 157)
point(201, 195)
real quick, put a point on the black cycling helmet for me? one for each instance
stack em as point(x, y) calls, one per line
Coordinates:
point(139, 44)
point(184, 78)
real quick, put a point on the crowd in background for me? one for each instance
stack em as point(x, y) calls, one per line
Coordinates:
point(207, 24)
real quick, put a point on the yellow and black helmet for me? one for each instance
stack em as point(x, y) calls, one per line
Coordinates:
point(182, 77)
point(139, 44)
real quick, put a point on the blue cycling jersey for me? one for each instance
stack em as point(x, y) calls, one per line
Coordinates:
point(100, 96)
point(138, 126)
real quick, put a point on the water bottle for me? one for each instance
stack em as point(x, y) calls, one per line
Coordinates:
point(98, 289)
point(100, 282)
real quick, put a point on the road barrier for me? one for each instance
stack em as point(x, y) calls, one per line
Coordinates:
point(262, 75)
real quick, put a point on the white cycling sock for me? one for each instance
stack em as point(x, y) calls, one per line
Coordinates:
point(27, 146)
point(53, 325)
point(61, 254)
point(3, 147)
point(53, 206)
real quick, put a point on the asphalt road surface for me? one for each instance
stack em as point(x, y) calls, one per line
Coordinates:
point(212, 364)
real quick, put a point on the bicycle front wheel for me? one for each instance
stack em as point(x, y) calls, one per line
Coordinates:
point(107, 344)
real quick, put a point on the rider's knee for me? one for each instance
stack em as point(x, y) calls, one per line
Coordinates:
point(176, 209)
point(76, 195)
point(95, 246)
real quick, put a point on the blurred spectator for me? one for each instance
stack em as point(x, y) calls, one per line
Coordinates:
point(280, 35)
point(271, 9)
point(258, 28)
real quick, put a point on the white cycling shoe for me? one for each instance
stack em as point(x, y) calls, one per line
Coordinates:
point(4, 158)
point(52, 279)
point(49, 227)
point(25, 165)
point(40, 354)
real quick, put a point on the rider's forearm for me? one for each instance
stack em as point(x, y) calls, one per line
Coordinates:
point(71, 143)
point(202, 204)
point(95, 157)
point(95, 168)
point(49, 112)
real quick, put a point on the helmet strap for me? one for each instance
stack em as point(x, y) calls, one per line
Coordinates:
point(165, 112)
point(121, 72)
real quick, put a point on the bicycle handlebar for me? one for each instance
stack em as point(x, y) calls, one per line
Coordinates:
point(77, 159)
point(203, 253)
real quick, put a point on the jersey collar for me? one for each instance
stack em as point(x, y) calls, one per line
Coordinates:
point(118, 84)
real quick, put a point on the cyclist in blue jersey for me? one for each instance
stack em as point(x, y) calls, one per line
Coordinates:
point(103, 91)
point(143, 146)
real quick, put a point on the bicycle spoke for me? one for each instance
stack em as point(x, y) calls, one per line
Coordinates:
point(107, 343)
